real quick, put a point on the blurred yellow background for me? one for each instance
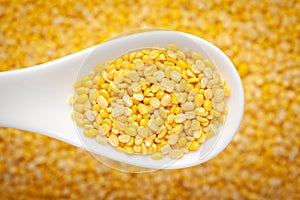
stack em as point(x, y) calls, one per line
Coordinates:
point(262, 38)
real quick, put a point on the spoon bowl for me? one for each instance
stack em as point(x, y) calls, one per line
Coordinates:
point(36, 98)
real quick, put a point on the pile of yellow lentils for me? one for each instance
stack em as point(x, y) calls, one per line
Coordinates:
point(153, 101)
point(262, 38)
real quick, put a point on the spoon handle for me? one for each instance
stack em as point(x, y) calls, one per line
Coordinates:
point(36, 98)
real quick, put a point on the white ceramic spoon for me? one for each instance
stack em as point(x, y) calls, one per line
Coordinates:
point(36, 98)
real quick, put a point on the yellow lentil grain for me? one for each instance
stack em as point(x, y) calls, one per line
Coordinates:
point(202, 120)
point(199, 99)
point(130, 131)
point(182, 97)
point(133, 118)
point(166, 100)
point(182, 64)
point(168, 63)
point(157, 156)
point(143, 109)
point(91, 132)
point(102, 102)
point(104, 114)
point(194, 146)
point(178, 128)
point(82, 90)
point(138, 96)
point(146, 100)
point(104, 129)
point(182, 141)
point(191, 76)
point(138, 140)
point(82, 98)
point(175, 76)
point(215, 113)
point(79, 108)
point(165, 149)
point(146, 59)
point(137, 148)
point(142, 131)
point(159, 95)
point(173, 139)
point(174, 99)
point(113, 140)
point(226, 90)
point(154, 54)
point(178, 110)
point(207, 105)
point(162, 112)
point(131, 142)
point(148, 142)
point(101, 140)
point(175, 154)
point(143, 122)
point(159, 121)
point(162, 134)
point(187, 106)
point(197, 134)
point(171, 54)
point(219, 95)
point(193, 80)
point(124, 138)
point(208, 94)
point(154, 102)
point(128, 149)
point(180, 118)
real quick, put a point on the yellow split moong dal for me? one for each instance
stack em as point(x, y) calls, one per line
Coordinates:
point(159, 101)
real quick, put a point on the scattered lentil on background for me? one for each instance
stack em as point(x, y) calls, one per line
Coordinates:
point(261, 37)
